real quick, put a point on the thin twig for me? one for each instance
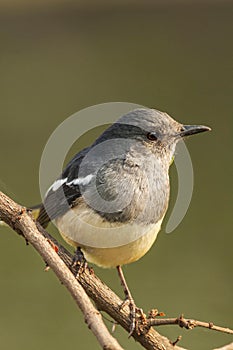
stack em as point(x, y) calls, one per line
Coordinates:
point(187, 323)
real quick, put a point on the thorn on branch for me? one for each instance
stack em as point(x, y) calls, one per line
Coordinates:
point(176, 341)
point(47, 267)
point(114, 324)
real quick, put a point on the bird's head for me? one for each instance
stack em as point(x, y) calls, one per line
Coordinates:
point(148, 129)
point(157, 130)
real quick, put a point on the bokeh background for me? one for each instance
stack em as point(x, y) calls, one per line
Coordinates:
point(58, 57)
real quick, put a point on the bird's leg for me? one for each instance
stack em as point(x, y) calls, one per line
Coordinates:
point(79, 261)
point(129, 300)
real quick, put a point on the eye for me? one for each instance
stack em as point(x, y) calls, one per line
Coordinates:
point(152, 136)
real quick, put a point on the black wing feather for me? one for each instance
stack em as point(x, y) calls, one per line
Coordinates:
point(58, 202)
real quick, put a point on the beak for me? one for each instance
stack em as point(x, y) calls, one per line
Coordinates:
point(188, 130)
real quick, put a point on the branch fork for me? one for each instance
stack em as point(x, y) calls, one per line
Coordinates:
point(88, 286)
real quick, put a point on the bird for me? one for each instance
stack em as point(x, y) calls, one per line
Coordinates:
point(111, 198)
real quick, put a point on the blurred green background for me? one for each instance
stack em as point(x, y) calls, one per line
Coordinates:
point(58, 57)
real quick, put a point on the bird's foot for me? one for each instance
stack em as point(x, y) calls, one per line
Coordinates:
point(136, 314)
point(79, 262)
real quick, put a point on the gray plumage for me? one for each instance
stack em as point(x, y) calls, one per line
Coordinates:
point(138, 149)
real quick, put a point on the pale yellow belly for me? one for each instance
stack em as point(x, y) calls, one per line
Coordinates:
point(106, 244)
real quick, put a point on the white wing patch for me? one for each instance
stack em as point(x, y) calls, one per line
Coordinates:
point(81, 180)
point(56, 185)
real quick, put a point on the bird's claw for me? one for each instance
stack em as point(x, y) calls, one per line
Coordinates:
point(135, 314)
point(79, 262)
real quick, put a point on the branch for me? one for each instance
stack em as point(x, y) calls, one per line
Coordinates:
point(105, 299)
point(226, 347)
point(187, 323)
point(18, 218)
